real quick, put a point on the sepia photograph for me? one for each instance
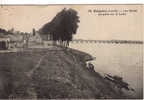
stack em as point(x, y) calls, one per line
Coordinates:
point(79, 51)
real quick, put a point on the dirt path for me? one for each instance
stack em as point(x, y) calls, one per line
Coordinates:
point(29, 74)
point(55, 49)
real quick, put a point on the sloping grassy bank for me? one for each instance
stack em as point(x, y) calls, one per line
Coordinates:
point(61, 73)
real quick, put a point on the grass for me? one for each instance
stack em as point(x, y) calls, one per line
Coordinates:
point(61, 74)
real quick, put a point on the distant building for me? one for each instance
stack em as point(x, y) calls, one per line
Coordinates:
point(4, 43)
point(35, 38)
point(46, 39)
point(9, 41)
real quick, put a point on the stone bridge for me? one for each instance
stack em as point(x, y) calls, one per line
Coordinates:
point(108, 41)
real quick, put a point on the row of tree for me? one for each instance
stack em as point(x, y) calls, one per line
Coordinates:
point(62, 27)
point(5, 32)
point(11, 32)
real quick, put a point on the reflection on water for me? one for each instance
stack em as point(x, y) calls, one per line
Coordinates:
point(124, 60)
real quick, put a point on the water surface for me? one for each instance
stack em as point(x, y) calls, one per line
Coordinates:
point(125, 60)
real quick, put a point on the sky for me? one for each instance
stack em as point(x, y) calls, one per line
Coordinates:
point(91, 26)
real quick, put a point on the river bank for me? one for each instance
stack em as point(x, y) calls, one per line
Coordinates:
point(61, 73)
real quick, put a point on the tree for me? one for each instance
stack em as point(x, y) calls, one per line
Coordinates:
point(62, 27)
point(2, 30)
point(5, 32)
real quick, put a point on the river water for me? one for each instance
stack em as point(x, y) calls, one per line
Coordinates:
point(125, 60)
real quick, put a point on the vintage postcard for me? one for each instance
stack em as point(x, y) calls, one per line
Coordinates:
point(71, 51)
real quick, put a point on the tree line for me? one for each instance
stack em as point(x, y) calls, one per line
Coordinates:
point(11, 31)
point(62, 27)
